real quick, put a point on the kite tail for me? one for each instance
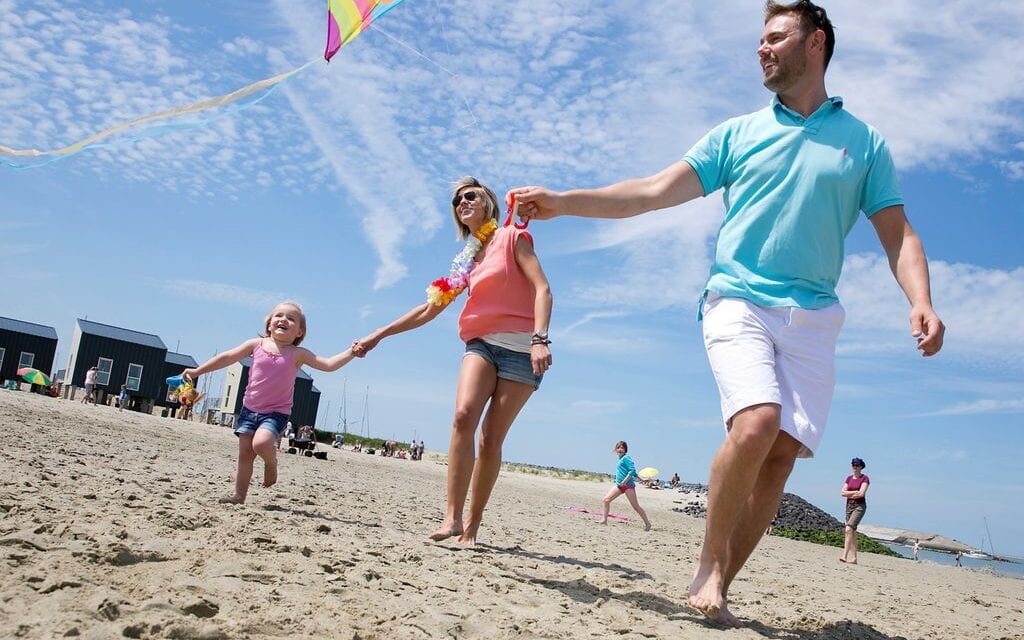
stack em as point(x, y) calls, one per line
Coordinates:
point(210, 103)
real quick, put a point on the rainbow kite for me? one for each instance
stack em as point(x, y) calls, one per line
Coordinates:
point(346, 19)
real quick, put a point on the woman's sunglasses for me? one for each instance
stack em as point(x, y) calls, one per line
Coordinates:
point(469, 196)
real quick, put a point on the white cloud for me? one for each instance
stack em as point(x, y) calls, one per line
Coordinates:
point(980, 407)
point(1013, 168)
point(224, 293)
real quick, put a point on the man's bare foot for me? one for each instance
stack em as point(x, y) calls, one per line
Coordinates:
point(468, 536)
point(270, 473)
point(727, 619)
point(231, 499)
point(647, 527)
point(447, 531)
point(843, 560)
point(706, 593)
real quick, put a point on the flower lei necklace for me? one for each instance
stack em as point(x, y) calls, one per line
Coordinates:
point(443, 290)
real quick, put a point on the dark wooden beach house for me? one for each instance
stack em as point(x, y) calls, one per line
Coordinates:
point(122, 356)
point(305, 401)
point(25, 344)
point(174, 363)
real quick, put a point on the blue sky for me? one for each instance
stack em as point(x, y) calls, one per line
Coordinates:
point(333, 191)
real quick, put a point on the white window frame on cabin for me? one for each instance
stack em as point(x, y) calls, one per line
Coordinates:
point(100, 372)
point(3, 352)
point(130, 377)
point(21, 359)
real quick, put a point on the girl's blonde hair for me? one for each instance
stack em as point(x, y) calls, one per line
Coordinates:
point(302, 321)
point(490, 202)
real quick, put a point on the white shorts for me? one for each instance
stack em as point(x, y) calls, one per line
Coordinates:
point(775, 355)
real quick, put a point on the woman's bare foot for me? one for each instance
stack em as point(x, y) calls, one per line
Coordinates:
point(647, 527)
point(468, 536)
point(706, 593)
point(231, 499)
point(447, 531)
point(270, 473)
point(601, 521)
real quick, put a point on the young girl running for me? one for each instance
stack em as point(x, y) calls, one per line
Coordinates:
point(276, 358)
point(625, 483)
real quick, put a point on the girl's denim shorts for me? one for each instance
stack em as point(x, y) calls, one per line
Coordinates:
point(249, 421)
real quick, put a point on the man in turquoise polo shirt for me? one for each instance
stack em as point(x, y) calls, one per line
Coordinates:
point(796, 176)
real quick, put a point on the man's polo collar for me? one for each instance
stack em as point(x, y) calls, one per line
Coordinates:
point(831, 104)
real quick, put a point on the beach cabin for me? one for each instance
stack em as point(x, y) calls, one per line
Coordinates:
point(25, 344)
point(305, 401)
point(174, 363)
point(121, 356)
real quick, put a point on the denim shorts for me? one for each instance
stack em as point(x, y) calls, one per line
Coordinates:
point(511, 365)
point(249, 421)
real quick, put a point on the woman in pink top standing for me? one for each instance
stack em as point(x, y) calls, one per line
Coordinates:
point(505, 327)
point(276, 358)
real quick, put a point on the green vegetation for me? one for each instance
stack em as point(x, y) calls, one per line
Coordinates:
point(834, 539)
point(555, 472)
point(327, 437)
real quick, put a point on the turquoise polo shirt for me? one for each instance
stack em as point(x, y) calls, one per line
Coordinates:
point(794, 187)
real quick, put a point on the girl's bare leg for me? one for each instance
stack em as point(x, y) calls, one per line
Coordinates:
point(243, 472)
point(509, 398)
point(264, 444)
point(477, 381)
point(631, 496)
point(606, 504)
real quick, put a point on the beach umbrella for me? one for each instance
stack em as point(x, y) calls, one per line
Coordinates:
point(34, 376)
point(647, 473)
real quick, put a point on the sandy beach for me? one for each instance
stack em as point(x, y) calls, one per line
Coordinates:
point(110, 527)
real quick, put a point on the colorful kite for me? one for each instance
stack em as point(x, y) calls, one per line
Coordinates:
point(346, 19)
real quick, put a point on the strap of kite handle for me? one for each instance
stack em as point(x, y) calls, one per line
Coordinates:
point(513, 208)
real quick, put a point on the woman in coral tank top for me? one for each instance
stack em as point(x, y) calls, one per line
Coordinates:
point(505, 327)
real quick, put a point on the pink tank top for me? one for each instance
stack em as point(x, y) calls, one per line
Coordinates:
point(271, 381)
point(501, 297)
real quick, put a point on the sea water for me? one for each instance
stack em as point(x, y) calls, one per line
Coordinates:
point(1013, 569)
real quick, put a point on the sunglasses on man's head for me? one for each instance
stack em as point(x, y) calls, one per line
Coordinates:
point(469, 196)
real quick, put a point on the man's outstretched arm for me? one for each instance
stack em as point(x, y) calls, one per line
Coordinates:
point(910, 267)
point(676, 184)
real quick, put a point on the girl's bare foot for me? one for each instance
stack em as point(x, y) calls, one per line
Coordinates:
point(231, 499)
point(447, 531)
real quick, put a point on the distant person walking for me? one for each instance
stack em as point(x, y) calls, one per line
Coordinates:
point(123, 398)
point(90, 386)
point(625, 484)
point(917, 549)
point(855, 487)
point(276, 358)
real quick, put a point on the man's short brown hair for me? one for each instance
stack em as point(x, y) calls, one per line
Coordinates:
point(812, 17)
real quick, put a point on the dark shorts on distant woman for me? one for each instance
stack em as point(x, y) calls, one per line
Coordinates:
point(854, 512)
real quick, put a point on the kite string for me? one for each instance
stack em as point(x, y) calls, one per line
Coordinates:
point(440, 66)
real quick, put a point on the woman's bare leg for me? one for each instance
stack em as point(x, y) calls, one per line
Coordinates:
point(508, 400)
point(477, 381)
